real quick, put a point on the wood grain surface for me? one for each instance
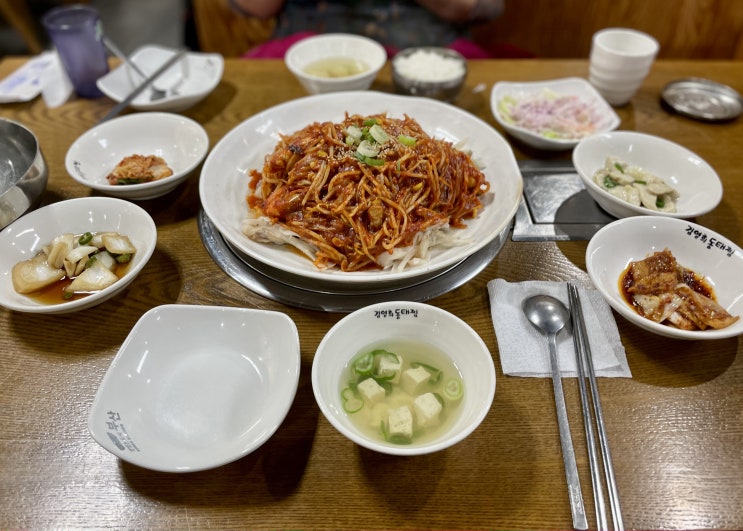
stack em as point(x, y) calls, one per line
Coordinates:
point(675, 428)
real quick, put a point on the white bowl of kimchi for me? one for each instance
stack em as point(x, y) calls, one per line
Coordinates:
point(644, 266)
point(551, 115)
point(230, 167)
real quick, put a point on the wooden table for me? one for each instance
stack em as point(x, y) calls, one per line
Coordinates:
point(675, 428)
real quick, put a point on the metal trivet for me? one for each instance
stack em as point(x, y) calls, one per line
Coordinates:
point(555, 204)
point(295, 290)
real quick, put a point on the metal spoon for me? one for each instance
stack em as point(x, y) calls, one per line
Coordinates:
point(550, 316)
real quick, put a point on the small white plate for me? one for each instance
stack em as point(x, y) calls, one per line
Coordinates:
point(606, 118)
point(699, 186)
point(195, 79)
point(24, 238)
point(196, 387)
point(714, 257)
point(180, 141)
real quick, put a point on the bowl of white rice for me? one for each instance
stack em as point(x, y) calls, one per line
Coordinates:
point(429, 71)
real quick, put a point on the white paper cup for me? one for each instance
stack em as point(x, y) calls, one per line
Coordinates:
point(620, 60)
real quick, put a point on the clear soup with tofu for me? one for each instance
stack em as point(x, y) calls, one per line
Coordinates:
point(402, 392)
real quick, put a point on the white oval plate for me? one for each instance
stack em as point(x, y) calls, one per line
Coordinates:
point(193, 81)
point(24, 238)
point(714, 257)
point(196, 387)
point(566, 86)
point(224, 178)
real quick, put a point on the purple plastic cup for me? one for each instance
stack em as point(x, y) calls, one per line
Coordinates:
point(76, 33)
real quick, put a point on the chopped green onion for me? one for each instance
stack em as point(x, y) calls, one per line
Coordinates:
point(660, 203)
point(368, 149)
point(364, 364)
point(123, 258)
point(619, 167)
point(370, 121)
point(85, 239)
point(368, 160)
point(640, 181)
point(67, 295)
point(351, 401)
point(609, 182)
point(453, 389)
point(92, 260)
point(378, 134)
point(406, 140)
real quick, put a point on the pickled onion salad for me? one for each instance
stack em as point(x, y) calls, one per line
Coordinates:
point(552, 115)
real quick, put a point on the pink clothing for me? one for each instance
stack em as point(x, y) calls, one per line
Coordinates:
point(276, 48)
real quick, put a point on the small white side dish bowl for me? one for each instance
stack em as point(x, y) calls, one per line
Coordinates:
point(187, 82)
point(699, 186)
point(331, 46)
point(24, 238)
point(401, 321)
point(603, 116)
point(707, 253)
point(180, 141)
point(196, 387)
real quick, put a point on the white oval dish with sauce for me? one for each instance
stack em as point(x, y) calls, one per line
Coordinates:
point(715, 258)
point(24, 238)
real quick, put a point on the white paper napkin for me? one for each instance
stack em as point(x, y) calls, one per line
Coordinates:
point(523, 348)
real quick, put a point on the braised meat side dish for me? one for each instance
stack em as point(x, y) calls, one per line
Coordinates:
point(661, 289)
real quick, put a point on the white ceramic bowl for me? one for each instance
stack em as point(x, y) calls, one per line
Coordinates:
point(699, 186)
point(24, 238)
point(404, 321)
point(187, 82)
point(180, 141)
point(707, 253)
point(605, 119)
point(334, 45)
point(196, 387)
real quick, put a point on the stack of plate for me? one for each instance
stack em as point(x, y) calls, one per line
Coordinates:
point(280, 273)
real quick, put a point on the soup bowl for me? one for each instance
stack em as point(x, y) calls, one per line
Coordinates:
point(416, 332)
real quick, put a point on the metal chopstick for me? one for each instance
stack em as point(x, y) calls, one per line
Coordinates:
point(580, 331)
point(578, 340)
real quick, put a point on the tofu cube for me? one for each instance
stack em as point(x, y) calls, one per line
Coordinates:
point(371, 391)
point(387, 365)
point(427, 410)
point(401, 423)
point(413, 381)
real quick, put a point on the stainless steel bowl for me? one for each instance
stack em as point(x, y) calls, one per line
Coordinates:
point(23, 171)
point(431, 86)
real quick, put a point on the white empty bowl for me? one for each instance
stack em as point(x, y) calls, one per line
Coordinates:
point(180, 141)
point(505, 93)
point(386, 323)
point(24, 238)
point(196, 387)
point(709, 254)
point(699, 186)
point(187, 82)
point(335, 46)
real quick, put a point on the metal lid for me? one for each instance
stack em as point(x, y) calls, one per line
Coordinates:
point(703, 99)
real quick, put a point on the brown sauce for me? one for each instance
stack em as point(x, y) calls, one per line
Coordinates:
point(54, 293)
